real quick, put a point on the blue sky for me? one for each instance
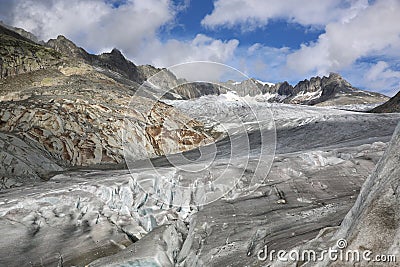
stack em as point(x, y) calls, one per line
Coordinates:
point(278, 33)
point(271, 40)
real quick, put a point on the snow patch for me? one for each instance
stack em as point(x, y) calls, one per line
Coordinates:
point(265, 83)
point(308, 95)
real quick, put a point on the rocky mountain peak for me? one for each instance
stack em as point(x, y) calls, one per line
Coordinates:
point(312, 85)
point(337, 78)
point(334, 84)
point(334, 75)
point(284, 88)
point(66, 47)
point(63, 38)
point(117, 62)
point(117, 53)
point(113, 60)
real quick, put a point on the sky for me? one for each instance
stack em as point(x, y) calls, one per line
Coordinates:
point(270, 40)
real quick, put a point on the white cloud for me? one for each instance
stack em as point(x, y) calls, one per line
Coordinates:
point(94, 24)
point(372, 32)
point(206, 71)
point(263, 62)
point(174, 52)
point(356, 32)
point(133, 27)
point(382, 78)
point(257, 13)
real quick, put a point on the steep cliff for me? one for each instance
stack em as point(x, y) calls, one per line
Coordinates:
point(20, 55)
point(393, 105)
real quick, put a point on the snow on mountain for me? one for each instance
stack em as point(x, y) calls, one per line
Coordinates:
point(265, 83)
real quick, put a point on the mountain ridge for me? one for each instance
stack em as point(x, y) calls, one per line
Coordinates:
point(325, 91)
point(70, 109)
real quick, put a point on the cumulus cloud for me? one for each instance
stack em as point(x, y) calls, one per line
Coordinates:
point(373, 32)
point(94, 24)
point(132, 26)
point(355, 32)
point(263, 62)
point(382, 77)
point(257, 13)
point(201, 47)
point(359, 36)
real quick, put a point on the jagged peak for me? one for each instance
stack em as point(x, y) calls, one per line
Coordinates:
point(285, 83)
point(115, 54)
point(61, 40)
point(62, 37)
point(116, 51)
point(331, 76)
point(67, 47)
point(335, 75)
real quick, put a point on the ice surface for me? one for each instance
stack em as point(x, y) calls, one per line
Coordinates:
point(323, 157)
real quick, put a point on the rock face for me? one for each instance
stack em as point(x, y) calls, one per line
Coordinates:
point(393, 105)
point(28, 35)
point(113, 62)
point(326, 91)
point(68, 48)
point(79, 132)
point(321, 89)
point(23, 163)
point(20, 55)
point(75, 113)
point(70, 131)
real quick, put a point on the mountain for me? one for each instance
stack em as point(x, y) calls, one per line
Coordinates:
point(28, 35)
point(323, 91)
point(333, 90)
point(62, 108)
point(20, 55)
point(86, 94)
point(113, 62)
point(393, 105)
